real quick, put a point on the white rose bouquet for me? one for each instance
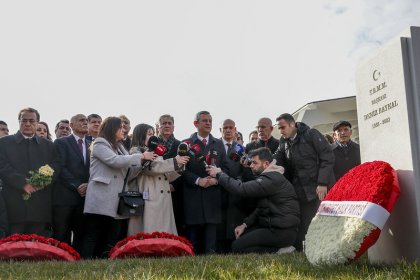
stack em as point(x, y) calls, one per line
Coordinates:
point(39, 179)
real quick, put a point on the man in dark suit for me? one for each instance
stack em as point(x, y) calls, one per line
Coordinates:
point(166, 138)
point(202, 203)
point(19, 154)
point(70, 189)
point(234, 207)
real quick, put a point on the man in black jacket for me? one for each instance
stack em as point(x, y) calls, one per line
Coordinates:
point(346, 152)
point(19, 154)
point(308, 161)
point(273, 224)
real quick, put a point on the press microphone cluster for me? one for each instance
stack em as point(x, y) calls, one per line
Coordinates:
point(154, 146)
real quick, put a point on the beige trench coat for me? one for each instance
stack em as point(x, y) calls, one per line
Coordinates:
point(158, 210)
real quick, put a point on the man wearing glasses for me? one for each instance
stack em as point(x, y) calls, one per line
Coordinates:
point(19, 154)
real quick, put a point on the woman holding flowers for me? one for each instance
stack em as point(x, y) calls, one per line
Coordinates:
point(109, 165)
point(154, 182)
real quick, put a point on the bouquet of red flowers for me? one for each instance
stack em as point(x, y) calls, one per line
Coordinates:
point(35, 247)
point(156, 244)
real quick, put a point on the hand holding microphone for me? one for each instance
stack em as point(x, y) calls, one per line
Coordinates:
point(155, 148)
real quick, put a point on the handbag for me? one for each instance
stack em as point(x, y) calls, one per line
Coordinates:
point(131, 203)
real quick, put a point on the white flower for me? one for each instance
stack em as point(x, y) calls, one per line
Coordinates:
point(46, 170)
point(335, 240)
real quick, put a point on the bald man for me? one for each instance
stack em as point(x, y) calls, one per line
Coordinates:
point(265, 139)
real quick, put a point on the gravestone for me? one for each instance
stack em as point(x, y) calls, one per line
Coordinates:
point(388, 105)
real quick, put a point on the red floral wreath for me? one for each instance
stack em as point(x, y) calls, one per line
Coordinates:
point(157, 244)
point(380, 186)
point(35, 247)
point(374, 182)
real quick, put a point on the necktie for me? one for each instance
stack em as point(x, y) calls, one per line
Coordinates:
point(204, 141)
point(80, 141)
point(228, 145)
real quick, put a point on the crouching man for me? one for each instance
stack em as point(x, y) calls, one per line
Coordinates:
point(274, 223)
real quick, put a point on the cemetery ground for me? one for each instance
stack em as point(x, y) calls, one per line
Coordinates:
point(252, 266)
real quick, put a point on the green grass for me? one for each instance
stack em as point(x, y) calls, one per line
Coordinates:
point(290, 266)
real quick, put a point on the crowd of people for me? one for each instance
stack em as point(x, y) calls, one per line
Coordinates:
point(262, 201)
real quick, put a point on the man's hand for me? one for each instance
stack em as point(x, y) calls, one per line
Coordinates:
point(213, 170)
point(182, 160)
point(321, 191)
point(239, 230)
point(207, 182)
point(28, 188)
point(82, 189)
point(203, 182)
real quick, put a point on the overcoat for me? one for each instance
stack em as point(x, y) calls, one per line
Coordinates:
point(158, 211)
point(18, 156)
point(108, 169)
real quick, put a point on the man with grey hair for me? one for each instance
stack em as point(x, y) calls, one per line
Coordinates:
point(166, 126)
point(70, 189)
point(202, 205)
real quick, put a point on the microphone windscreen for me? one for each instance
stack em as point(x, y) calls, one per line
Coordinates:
point(153, 143)
point(160, 150)
point(183, 149)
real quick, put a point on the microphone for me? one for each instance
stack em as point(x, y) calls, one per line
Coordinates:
point(183, 149)
point(154, 146)
point(211, 157)
point(237, 152)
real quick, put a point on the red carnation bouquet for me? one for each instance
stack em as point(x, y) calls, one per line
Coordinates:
point(35, 247)
point(156, 244)
point(350, 218)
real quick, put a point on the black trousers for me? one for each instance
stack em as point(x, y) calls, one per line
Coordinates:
point(264, 240)
point(307, 212)
point(43, 229)
point(203, 238)
point(68, 219)
point(101, 235)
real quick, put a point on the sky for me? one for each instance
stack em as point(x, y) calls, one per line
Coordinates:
point(241, 60)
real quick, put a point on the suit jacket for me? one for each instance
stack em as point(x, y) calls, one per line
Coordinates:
point(235, 206)
point(18, 156)
point(108, 169)
point(203, 205)
point(74, 171)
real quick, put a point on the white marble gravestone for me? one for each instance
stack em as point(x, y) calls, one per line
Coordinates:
point(388, 105)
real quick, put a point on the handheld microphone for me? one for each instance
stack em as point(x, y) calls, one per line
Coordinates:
point(237, 152)
point(211, 157)
point(154, 146)
point(183, 149)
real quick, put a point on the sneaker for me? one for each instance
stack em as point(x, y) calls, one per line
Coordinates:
point(286, 250)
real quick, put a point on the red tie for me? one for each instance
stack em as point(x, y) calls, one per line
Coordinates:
point(80, 145)
point(204, 141)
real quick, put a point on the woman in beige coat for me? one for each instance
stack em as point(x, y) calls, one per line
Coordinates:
point(153, 182)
